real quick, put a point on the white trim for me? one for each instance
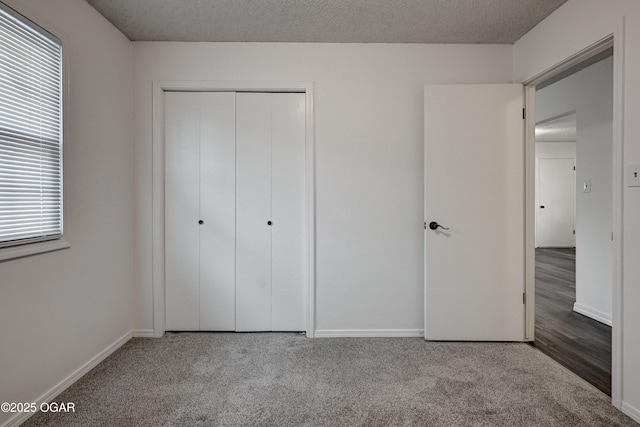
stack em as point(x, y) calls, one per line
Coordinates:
point(592, 313)
point(33, 249)
point(424, 218)
point(157, 217)
point(143, 333)
point(529, 213)
point(617, 40)
point(586, 53)
point(617, 214)
point(69, 381)
point(310, 212)
point(631, 411)
point(362, 333)
point(158, 279)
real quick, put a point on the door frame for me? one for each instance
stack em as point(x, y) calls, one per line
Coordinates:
point(158, 184)
point(617, 41)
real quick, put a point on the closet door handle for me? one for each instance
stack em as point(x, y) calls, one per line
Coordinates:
point(201, 222)
point(269, 223)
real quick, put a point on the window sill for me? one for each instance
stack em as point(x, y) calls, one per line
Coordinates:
point(33, 249)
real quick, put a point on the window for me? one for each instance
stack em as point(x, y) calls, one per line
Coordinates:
point(30, 132)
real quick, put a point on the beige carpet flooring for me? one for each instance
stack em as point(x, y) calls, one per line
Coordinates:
point(284, 379)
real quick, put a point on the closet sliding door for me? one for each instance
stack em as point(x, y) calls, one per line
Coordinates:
point(217, 211)
point(200, 211)
point(253, 212)
point(287, 211)
point(234, 211)
point(182, 211)
point(270, 162)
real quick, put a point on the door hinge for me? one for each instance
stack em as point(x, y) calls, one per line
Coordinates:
point(524, 114)
point(574, 168)
point(524, 298)
point(612, 236)
point(425, 225)
point(574, 231)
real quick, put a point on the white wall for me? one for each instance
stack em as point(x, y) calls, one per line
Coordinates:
point(556, 150)
point(589, 93)
point(368, 141)
point(571, 28)
point(61, 309)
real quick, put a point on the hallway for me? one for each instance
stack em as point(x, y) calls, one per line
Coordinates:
point(577, 342)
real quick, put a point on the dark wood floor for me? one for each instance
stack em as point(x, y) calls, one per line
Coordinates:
point(579, 343)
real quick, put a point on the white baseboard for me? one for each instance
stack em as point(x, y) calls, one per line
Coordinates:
point(67, 382)
point(591, 312)
point(143, 333)
point(344, 333)
point(631, 411)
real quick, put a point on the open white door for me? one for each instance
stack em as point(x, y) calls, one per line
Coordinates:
point(474, 186)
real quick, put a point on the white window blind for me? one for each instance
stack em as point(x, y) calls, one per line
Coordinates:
point(30, 132)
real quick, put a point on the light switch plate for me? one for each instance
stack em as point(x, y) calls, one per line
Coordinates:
point(586, 186)
point(633, 175)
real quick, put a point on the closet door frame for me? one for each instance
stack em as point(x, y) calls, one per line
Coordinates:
point(158, 184)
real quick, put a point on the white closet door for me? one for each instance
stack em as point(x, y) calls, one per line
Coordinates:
point(253, 210)
point(217, 211)
point(287, 176)
point(182, 134)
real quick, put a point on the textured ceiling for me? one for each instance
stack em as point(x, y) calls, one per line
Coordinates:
point(334, 21)
point(562, 129)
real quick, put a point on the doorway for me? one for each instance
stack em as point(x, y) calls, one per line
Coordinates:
point(555, 182)
point(574, 218)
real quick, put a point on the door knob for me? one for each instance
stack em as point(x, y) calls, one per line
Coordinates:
point(201, 222)
point(434, 226)
point(269, 223)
